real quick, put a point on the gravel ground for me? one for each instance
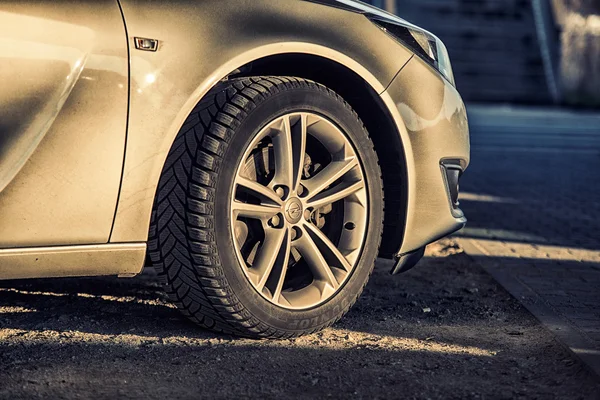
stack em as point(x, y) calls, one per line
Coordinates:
point(443, 330)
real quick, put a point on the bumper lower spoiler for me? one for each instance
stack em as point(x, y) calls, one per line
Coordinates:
point(407, 261)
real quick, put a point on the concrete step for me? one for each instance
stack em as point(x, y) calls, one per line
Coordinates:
point(492, 43)
point(533, 129)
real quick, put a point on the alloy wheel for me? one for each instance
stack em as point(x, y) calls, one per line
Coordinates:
point(299, 210)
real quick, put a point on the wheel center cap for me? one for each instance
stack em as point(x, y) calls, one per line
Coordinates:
point(293, 210)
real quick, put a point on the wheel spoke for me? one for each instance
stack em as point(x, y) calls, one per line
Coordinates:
point(284, 154)
point(267, 255)
point(289, 146)
point(256, 211)
point(299, 149)
point(335, 193)
point(265, 194)
point(315, 260)
point(328, 176)
point(284, 255)
point(328, 247)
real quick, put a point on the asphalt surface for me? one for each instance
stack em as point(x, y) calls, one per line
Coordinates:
point(443, 330)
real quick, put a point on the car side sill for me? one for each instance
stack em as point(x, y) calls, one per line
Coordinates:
point(122, 259)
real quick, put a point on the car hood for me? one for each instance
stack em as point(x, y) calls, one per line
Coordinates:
point(367, 9)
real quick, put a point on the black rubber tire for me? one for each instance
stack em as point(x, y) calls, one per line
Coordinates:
point(190, 242)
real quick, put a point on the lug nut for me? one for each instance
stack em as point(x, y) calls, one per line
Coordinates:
point(275, 221)
point(280, 192)
point(307, 214)
point(296, 233)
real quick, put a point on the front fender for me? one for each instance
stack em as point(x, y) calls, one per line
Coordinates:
point(202, 42)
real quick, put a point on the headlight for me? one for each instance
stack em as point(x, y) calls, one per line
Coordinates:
point(424, 44)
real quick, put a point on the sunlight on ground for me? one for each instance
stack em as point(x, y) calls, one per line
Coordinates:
point(499, 234)
point(15, 310)
point(524, 250)
point(331, 339)
point(466, 196)
point(119, 299)
point(342, 339)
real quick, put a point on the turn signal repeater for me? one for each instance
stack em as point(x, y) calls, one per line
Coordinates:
point(146, 44)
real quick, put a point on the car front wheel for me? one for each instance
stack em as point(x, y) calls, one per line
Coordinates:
point(268, 216)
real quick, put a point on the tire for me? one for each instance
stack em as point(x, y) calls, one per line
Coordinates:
point(194, 241)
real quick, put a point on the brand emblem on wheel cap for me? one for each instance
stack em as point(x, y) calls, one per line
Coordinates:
point(293, 211)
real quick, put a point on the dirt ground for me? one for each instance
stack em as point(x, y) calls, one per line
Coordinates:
point(443, 330)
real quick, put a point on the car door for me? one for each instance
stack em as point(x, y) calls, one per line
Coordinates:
point(63, 117)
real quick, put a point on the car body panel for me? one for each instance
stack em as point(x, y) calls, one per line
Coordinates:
point(63, 115)
point(201, 43)
point(438, 130)
point(81, 162)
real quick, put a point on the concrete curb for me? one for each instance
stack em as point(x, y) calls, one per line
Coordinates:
point(566, 334)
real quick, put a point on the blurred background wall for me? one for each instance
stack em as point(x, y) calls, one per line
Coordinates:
point(516, 51)
point(579, 21)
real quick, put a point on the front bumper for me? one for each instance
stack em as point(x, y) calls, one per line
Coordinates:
point(437, 151)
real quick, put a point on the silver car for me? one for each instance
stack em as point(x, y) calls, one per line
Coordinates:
point(260, 154)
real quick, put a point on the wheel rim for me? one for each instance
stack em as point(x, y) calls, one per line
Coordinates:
point(299, 211)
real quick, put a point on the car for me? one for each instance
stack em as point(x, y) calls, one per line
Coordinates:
point(260, 155)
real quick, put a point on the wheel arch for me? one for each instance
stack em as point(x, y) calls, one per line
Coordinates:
point(374, 113)
point(366, 94)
